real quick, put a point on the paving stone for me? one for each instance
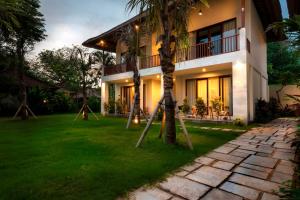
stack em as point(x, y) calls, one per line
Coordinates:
point(240, 190)
point(251, 172)
point(216, 194)
point(182, 173)
point(177, 198)
point(263, 154)
point(258, 168)
point(267, 196)
point(256, 183)
point(224, 149)
point(204, 160)
point(283, 155)
point(230, 145)
point(225, 157)
point(280, 177)
point(185, 188)
point(287, 163)
point(191, 167)
point(223, 165)
point(261, 161)
point(251, 148)
point(150, 194)
point(285, 169)
point(209, 176)
point(282, 145)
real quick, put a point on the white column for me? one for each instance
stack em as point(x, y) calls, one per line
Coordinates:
point(240, 82)
point(104, 96)
point(161, 84)
point(117, 94)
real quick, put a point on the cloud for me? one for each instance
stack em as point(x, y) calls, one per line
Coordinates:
point(71, 22)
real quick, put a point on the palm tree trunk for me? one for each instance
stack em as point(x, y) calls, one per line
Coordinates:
point(22, 85)
point(85, 104)
point(137, 106)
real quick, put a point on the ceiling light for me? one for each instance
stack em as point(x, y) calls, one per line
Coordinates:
point(200, 12)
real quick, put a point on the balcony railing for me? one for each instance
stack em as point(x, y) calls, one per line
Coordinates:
point(216, 47)
point(119, 68)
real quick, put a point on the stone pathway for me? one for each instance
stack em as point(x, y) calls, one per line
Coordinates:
point(251, 167)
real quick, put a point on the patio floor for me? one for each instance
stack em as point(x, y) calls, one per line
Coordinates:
point(251, 167)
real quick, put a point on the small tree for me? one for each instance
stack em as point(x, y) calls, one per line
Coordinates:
point(200, 107)
point(217, 105)
point(88, 76)
point(21, 38)
point(185, 107)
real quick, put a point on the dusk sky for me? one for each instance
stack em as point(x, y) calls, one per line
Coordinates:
point(73, 21)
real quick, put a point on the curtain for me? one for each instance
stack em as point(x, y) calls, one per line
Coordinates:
point(202, 90)
point(191, 92)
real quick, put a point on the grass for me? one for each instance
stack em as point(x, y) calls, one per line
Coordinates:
point(55, 158)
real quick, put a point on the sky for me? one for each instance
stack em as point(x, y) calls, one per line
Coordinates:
point(71, 22)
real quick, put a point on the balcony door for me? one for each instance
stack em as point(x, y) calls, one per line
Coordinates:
point(127, 97)
point(216, 39)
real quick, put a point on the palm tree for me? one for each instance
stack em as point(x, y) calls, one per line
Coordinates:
point(130, 37)
point(291, 28)
point(169, 19)
point(88, 76)
point(8, 19)
point(104, 58)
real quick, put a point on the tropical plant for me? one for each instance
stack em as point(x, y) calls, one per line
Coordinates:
point(291, 28)
point(130, 37)
point(89, 76)
point(200, 107)
point(8, 15)
point(21, 40)
point(185, 106)
point(216, 104)
point(169, 19)
point(104, 58)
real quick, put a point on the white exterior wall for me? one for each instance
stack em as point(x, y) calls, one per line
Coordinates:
point(248, 70)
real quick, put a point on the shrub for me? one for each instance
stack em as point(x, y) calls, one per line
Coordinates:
point(185, 108)
point(120, 106)
point(200, 107)
point(239, 122)
point(217, 105)
point(109, 107)
point(262, 111)
point(94, 103)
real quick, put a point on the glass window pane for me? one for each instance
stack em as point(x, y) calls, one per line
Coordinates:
point(202, 90)
point(227, 94)
point(191, 92)
point(213, 89)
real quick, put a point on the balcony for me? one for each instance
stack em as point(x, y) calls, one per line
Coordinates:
point(118, 68)
point(202, 50)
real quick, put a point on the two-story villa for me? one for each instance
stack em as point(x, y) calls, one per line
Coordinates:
point(227, 58)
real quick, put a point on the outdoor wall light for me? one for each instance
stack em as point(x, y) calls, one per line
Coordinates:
point(158, 76)
point(203, 70)
point(137, 27)
point(126, 80)
point(136, 120)
point(200, 12)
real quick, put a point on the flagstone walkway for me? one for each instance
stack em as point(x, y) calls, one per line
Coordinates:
point(251, 167)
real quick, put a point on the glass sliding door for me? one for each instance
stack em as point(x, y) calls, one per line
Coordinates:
point(127, 97)
point(213, 89)
point(229, 31)
point(191, 92)
point(202, 90)
point(226, 93)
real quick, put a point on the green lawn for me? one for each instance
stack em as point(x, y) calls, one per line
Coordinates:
point(55, 158)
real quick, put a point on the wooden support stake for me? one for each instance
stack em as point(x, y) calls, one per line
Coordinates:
point(19, 109)
point(79, 112)
point(131, 112)
point(92, 112)
point(31, 111)
point(162, 128)
point(182, 123)
point(146, 118)
point(149, 122)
